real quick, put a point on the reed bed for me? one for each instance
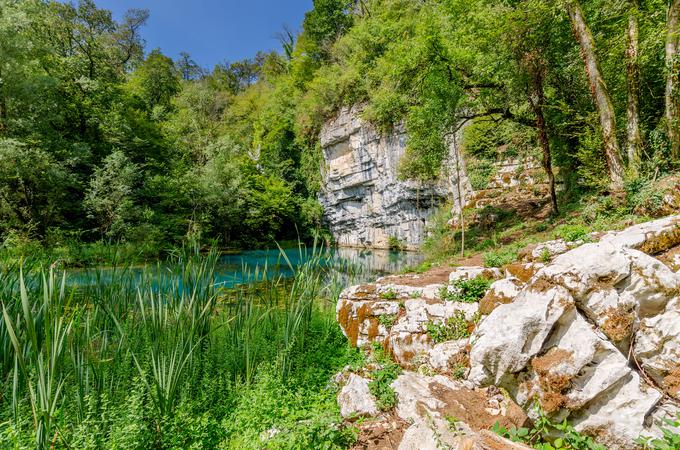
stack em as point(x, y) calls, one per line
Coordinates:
point(129, 358)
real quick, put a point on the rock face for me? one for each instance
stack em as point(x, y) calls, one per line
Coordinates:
point(448, 414)
point(365, 205)
point(397, 317)
point(591, 335)
point(575, 334)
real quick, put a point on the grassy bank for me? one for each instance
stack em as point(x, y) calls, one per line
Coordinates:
point(169, 361)
point(495, 234)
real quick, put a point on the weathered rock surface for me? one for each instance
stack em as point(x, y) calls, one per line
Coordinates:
point(364, 202)
point(355, 398)
point(469, 273)
point(649, 237)
point(566, 338)
point(397, 316)
point(429, 404)
point(546, 251)
point(450, 355)
point(500, 292)
point(592, 336)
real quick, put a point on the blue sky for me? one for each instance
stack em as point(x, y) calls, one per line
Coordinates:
point(213, 31)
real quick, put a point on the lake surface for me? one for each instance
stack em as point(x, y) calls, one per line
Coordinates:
point(251, 265)
point(231, 272)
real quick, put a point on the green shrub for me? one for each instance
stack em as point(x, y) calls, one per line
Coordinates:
point(644, 197)
point(500, 258)
point(388, 295)
point(466, 291)
point(396, 244)
point(573, 233)
point(387, 320)
point(456, 327)
point(458, 371)
point(381, 379)
point(538, 437)
point(545, 256)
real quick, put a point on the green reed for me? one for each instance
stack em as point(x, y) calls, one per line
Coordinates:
point(70, 352)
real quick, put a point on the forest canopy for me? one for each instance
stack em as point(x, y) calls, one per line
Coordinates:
point(104, 140)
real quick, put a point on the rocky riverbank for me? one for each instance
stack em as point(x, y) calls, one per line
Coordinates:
point(587, 332)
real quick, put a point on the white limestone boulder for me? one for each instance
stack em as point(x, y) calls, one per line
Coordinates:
point(565, 340)
point(428, 401)
point(505, 341)
point(355, 399)
point(449, 355)
point(649, 237)
point(657, 347)
point(500, 292)
point(408, 340)
point(471, 272)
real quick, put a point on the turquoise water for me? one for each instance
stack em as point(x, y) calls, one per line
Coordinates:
point(230, 269)
point(250, 266)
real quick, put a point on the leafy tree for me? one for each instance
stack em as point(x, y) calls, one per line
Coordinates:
point(32, 186)
point(156, 82)
point(188, 68)
point(109, 197)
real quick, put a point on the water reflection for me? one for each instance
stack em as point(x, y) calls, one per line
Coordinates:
point(248, 266)
point(255, 265)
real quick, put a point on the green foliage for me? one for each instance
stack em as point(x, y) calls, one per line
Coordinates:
point(109, 196)
point(543, 429)
point(456, 327)
point(572, 233)
point(644, 196)
point(156, 82)
point(389, 294)
point(499, 258)
point(466, 291)
point(395, 244)
point(545, 256)
point(387, 320)
point(33, 186)
point(160, 358)
point(382, 378)
point(459, 371)
point(670, 439)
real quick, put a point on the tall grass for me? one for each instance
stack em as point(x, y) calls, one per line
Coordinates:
point(72, 352)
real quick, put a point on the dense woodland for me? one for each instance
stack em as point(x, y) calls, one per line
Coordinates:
point(102, 140)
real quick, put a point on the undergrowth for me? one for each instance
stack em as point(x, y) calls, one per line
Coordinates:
point(161, 358)
point(454, 328)
point(538, 436)
point(382, 378)
point(466, 291)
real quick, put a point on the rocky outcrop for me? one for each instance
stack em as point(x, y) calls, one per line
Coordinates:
point(435, 412)
point(590, 335)
point(398, 316)
point(445, 413)
point(365, 204)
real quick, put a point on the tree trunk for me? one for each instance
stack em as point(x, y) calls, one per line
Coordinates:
point(673, 78)
point(634, 144)
point(3, 106)
point(537, 101)
point(599, 92)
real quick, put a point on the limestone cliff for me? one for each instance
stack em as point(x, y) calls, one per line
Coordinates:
point(365, 204)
